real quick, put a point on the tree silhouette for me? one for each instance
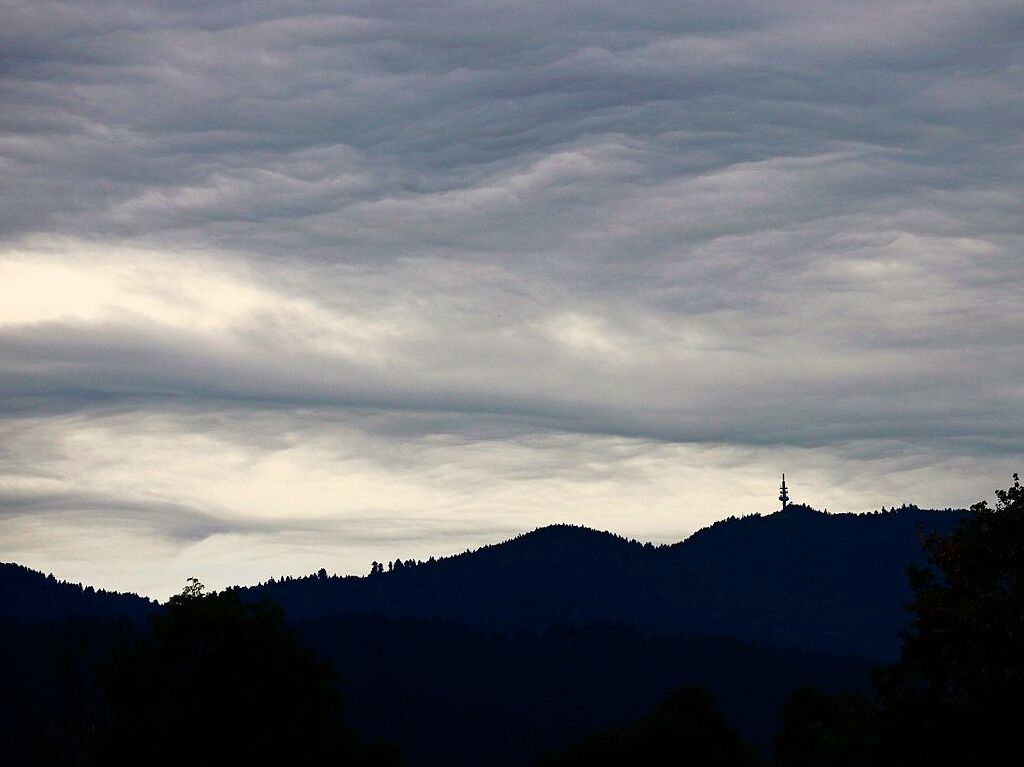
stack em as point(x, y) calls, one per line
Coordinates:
point(834, 729)
point(956, 694)
point(223, 681)
point(684, 729)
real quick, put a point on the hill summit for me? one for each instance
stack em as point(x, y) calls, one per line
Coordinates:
point(799, 578)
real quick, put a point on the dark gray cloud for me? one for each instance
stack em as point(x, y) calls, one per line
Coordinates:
point(484, 251)
point(174, 521)
point(751, 399)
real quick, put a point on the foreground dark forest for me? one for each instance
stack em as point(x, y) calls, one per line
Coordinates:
point(764, 639)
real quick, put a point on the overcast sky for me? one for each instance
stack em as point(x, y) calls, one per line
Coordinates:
point(289, 284)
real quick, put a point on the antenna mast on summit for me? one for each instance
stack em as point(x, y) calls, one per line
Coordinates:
point(784, 494)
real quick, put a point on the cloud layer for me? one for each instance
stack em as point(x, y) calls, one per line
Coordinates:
point(285, 284)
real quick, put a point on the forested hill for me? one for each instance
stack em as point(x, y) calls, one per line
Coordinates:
point(27, 595)
point(800, 579)
point(524, 658)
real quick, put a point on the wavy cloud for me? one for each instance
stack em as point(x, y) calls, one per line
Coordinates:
point(289, 281)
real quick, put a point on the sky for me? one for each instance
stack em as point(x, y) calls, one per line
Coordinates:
point(288, 284)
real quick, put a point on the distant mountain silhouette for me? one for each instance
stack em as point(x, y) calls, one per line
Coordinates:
point(28, 595)
point(501, 654)
point(799, 579)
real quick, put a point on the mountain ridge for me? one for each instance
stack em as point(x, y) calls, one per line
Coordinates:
point(540, 638)
point(800, 579)
point(29, 595)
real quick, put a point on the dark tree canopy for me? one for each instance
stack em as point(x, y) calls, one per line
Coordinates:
point(834, 729)
point(957, 691)
point(954, 697)
point(964, 646)
point(684, 729)
point(220, 681)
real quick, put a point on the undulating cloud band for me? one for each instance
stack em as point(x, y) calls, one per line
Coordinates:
point(287, 284)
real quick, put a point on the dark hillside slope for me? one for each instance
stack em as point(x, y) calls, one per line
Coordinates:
point(522, 646)
point(554, 575)
point(447, 694)
point(27, 595)
point(800, 579)
point(50, 698)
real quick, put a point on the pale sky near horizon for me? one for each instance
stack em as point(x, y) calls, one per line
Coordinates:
point(289, 284)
